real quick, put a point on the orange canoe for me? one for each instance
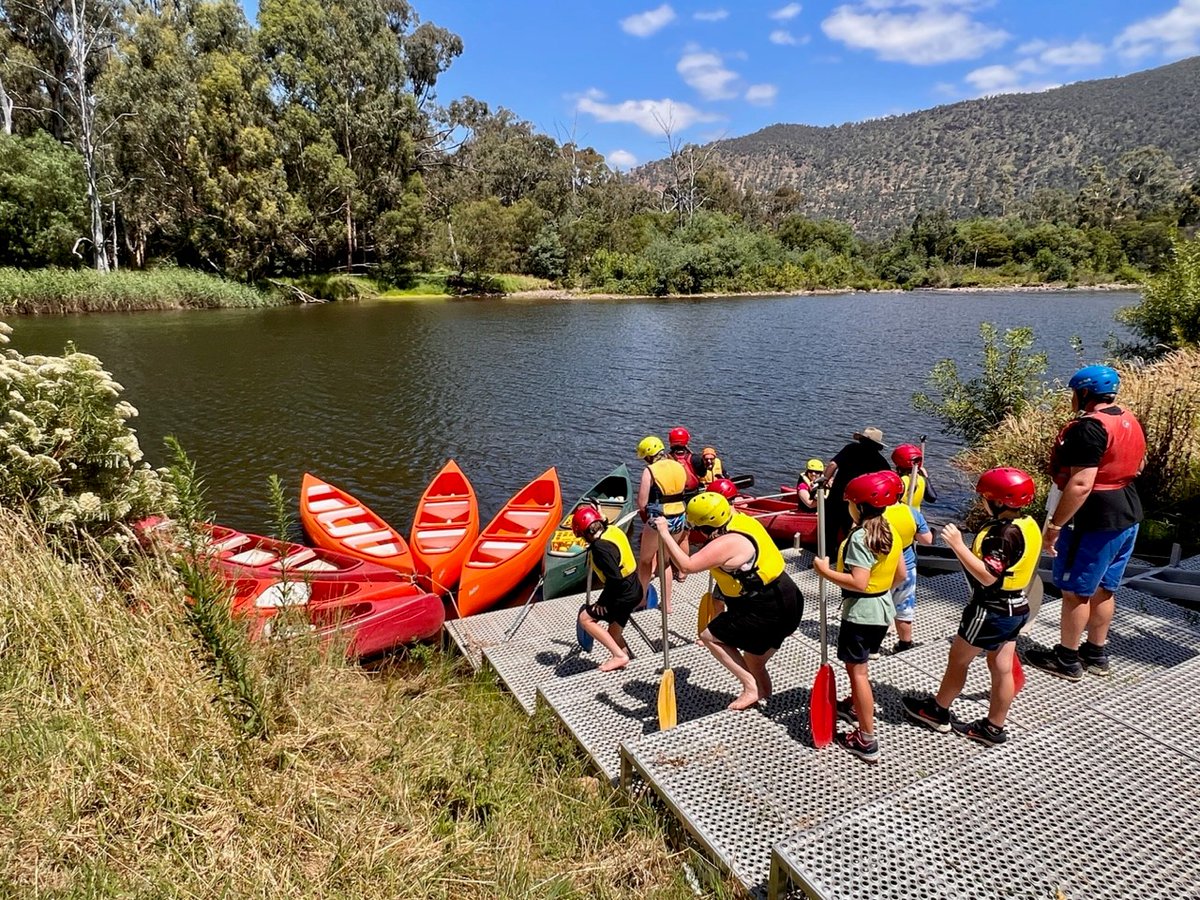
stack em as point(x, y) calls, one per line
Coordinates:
point(336, 521)
point(444, 528)
point(511, 545)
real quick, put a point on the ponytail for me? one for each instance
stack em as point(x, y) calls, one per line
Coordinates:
point(877, 530)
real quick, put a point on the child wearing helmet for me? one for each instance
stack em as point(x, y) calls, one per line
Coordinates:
point(611, 557)
point(806, 493)
point(679, 438)
point(999, 567)
point(911, 527)
point(905, 458)
point(870, 564)
point(661, 491)
point(758, 604)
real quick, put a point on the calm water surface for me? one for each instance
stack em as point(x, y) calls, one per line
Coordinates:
point(376, 397)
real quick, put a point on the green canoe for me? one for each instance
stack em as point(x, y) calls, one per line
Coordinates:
point(563, 564)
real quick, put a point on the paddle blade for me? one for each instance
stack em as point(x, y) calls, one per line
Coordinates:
point(586, 641)
point(651, 597)
point(707, 611)
point(1018, 675)
point(822, 707)
point(1034, 597)
point(667, 713)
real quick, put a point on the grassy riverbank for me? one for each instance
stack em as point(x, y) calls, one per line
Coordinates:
point(121, 776)
point(59, 291)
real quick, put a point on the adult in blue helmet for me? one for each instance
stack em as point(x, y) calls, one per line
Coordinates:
point(1092, 520)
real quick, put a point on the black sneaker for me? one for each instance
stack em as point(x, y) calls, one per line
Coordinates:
point(926, 711)
point(983, 731)
point(1095, 659)
point(901, 646)
point(865, 748)
point(845, 711)
point(1051, 661)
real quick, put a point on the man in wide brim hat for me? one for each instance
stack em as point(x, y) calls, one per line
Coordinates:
point(860, 457)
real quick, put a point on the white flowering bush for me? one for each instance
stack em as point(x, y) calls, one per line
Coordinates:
point(67, 453)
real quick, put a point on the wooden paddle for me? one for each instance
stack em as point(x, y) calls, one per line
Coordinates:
point(586, 641)
point(822, 703)
point(668, 714)
point(708, 609)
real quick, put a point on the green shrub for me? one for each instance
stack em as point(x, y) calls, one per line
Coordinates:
point(42, 291)
point(1169, 314)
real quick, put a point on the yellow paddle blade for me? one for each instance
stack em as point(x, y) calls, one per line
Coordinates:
point(706, 612)
point(667, 714)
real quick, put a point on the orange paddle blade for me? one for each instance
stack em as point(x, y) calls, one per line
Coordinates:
point(668, 715)
point(822, 707)
point(1018, 675)
point(706, 612)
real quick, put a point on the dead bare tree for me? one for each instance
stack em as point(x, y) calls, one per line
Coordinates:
point(685, 194)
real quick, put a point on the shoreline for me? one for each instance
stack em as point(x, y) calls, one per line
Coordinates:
point(1051, 288)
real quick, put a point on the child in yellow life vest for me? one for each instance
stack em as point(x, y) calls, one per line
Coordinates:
point(905, 458)
point(999, 567)
point(613, 563)
point(661, 491)
point(870, 563)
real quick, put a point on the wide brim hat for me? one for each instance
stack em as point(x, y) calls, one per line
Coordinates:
point(870, 434)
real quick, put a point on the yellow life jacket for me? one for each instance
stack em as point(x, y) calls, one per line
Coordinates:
point(669, 482)
point(1017, 576)
point(765, 566)
point(617, 538)
point(883, 571)
point(919, 494)
point(904, 523)
point(708, 477)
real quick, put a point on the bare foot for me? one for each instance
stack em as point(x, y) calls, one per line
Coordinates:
point(746, 700)
point(764, 686)
point(614, 663)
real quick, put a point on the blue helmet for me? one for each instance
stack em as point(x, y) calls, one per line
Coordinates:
point(1097, 379)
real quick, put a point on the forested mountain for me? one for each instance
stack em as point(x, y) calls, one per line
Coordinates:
point(972, 158)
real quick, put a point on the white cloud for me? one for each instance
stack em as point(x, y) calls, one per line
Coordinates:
point(1174, 34)
point(644, 24)
point(784, 13)
point(648, 115)
point(621, 159)
point(1078, 53)
point(705, 73)
point(925, 33)
point(783, 37)
point(761, 94)
point(999, 79)
point(711, 15)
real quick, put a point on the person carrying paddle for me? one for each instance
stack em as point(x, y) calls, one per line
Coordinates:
point(999, 567)
point(611, 558)
point(870, 563)
point(710, 468)
point(906, 457)
point(806, 491)
point(1092, 529)
point(758, 605)
point(661, 491)
point(860, 457)
point(912, 528)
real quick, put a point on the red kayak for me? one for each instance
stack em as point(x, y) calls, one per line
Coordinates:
point(779, 516)
point(267, 559)
point(370, 618)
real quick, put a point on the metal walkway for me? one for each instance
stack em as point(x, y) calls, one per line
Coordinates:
point(781, 816)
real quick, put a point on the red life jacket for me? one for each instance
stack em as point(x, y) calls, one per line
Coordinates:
point(1122, 458)
point(683, 456)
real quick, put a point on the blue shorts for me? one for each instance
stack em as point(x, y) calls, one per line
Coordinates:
point(1089, 560)
point(905, 596)
point(989, 629)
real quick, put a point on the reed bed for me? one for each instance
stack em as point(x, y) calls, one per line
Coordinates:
point(58, 291)
point(122, 777)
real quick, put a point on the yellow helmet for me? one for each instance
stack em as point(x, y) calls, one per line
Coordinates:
point(650, 446)
point(709, 510)
point(815, 465)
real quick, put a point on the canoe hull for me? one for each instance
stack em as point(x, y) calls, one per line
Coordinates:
point(244, 555)
point(336, 521)
point(779, 516)
point(563, 561)
point(444, 529)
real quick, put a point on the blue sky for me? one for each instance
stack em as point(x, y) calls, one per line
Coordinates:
point(607, 72)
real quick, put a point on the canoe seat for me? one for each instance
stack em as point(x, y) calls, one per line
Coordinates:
point(387, 548)
point(317, 565)
point(493, 552)
point(528, 520)
point(446, 509)
point(342, 512)
point(230, 543)
point(318, 490)
point(320, 506)
point(295, 559)
point(440, 540)
point(254, 557)
point(284, 593)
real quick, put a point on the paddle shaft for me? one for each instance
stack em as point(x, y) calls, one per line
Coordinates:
point(821, 585)
point(508, 635)
point(662, 600)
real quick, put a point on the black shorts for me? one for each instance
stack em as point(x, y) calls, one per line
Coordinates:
point(989, 629)
point(616, 606)
point(757, 623)
point(856, 642)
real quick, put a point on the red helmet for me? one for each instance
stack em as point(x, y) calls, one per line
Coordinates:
point(679, 437)
point(724, 487)
point(1006, 486)
point(584, 518)
point(906, 456)
point(878, 489)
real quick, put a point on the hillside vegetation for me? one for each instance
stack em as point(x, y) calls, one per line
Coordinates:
point(971, 157)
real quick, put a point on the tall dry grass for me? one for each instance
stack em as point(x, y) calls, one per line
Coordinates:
point(121, 776)
point(1165, 396)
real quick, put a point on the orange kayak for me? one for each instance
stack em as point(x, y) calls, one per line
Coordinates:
point(511, 545)
point(336, 521)
point(444, 528)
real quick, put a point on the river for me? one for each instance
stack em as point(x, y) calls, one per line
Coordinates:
point(375, 397)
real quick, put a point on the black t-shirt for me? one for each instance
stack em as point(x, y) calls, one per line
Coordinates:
point(608, 563)
point(1001, 548)
point(856, 458)
point(1083, 446)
